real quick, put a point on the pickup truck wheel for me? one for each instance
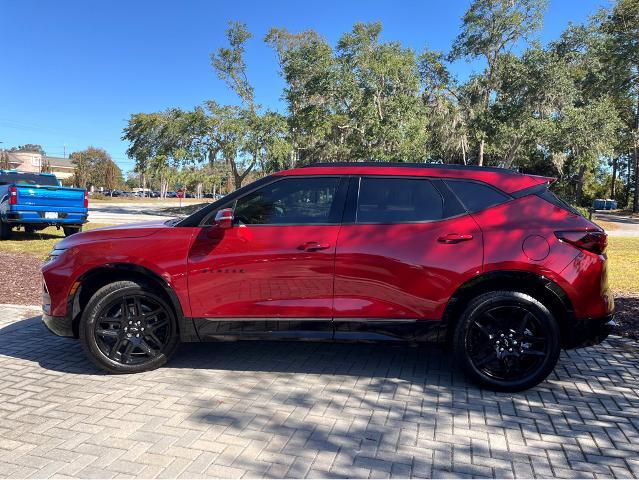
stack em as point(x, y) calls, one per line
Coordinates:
point(507, 341)
point(127, 328)
point(68, 231)
point(5, 231)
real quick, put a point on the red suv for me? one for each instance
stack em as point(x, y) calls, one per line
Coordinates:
point(484, 259)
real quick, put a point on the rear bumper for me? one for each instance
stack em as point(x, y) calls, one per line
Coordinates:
point(61, 326)
point(33, 217)
point(589, 332)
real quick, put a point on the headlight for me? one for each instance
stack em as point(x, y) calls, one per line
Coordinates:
point(55, 253)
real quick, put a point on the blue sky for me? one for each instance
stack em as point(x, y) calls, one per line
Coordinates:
point(73, 71)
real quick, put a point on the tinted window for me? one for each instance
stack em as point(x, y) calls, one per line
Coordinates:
point(476, 196)
point(558, 202)
point(28, 178)
point(289, 201)
point(396, 200)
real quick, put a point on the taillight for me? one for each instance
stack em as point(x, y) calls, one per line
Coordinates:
point(86, 199)
point(595, 242)
point(13, 195)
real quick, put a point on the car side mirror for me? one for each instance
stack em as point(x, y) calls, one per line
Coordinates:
point(224, 218)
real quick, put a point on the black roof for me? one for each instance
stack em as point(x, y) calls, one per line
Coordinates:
point(446, 166)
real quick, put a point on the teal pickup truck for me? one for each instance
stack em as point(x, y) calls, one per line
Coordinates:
point(37, 200)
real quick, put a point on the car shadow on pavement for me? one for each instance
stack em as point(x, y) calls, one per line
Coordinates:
point(30, 340)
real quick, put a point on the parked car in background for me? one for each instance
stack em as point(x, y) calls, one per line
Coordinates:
point(37, 200)
point(487, 260)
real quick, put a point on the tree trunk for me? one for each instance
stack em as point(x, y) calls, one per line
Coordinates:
point(510, 156)
point(480, 159)
point(580, 185)
point(635, 201)
point(613, 185)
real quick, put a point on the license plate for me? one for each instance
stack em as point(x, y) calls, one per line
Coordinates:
point(50, 214)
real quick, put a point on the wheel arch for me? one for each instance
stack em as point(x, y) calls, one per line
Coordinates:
point(537, 286)
point(94, 279)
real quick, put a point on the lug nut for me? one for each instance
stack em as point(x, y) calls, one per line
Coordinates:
point(128, 335)
point(142, 329)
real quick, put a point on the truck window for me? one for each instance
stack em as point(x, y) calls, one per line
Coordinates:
point(28, 178)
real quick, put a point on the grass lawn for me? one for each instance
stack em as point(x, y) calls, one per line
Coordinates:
point(623, 269)
point(38, 244)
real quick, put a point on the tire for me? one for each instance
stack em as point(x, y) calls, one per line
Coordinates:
point(5, 231)
point(506, 341)
point(121, 345)
point(68, 231)
point(29, 230)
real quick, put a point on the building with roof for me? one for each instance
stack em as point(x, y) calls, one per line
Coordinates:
point(34, 161)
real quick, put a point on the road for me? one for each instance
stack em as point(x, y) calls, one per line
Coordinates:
point(618, 225)
point(128, 212)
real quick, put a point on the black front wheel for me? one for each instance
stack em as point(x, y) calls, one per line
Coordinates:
point(127, 328)
point(507, 341)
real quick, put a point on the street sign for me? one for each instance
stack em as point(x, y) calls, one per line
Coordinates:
point(180, 193)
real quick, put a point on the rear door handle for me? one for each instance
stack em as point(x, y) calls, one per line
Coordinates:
point(455, 238)
point(314, 246)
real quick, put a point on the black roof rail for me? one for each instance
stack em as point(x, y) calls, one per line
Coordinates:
point(446, 166)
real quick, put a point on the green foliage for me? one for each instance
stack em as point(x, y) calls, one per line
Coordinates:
point(4, 161)
point(569, 109)
point(94, 167)
point(29, 147)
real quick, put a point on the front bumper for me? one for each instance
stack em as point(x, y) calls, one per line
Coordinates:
point(592, 331)
point(61, 326)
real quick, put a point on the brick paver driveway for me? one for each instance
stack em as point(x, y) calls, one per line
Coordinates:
point(315, 410)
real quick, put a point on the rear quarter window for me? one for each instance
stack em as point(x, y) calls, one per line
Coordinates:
point(476, 196)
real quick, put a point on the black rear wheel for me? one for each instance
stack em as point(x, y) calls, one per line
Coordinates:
point(5, 231)
point(71, 230)
point(507, 341)
point(127, 328)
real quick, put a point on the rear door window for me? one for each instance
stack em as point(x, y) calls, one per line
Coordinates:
point(476, 196)
point(398, 200)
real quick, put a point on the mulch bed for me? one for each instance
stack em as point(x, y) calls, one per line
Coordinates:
point(627, 316)
point(20, 284)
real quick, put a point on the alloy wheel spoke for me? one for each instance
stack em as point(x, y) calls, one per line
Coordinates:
point(524, 321)
point(485, 360)
point(146, 348)
point(116, 347)
point(108, 332)
point(138, 306)
point(482, 329)
point(126, 355)
point(154, 327)
point(125, 309)
point(153, 313)
point(153, 337)
point(533, 353)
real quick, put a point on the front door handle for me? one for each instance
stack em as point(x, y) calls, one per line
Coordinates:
point(314, 246)
point(455, 238)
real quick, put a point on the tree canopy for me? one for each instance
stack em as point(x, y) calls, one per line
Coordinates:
point(568, 109)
